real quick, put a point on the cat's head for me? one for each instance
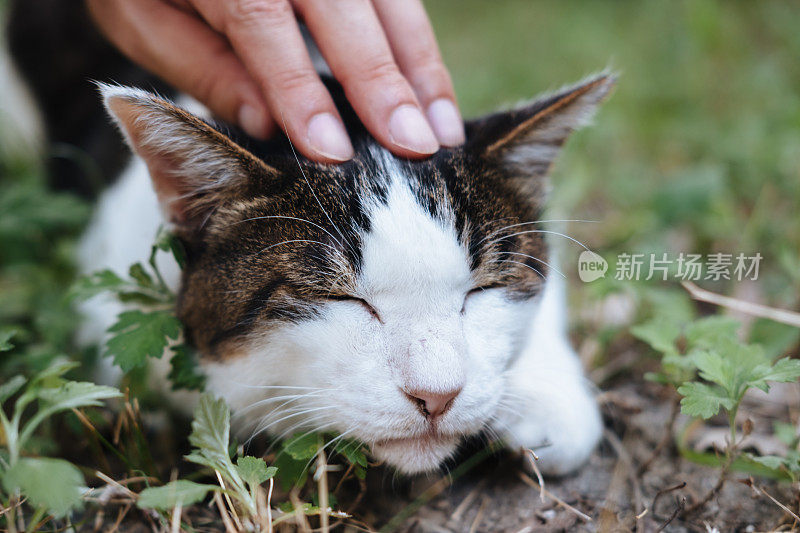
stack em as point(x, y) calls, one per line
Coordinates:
point(383, 299)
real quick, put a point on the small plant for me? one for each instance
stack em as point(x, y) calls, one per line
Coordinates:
point(239, 482)
point(147, 331)
point(49, 486)
point(712, 371)
point(247, 503)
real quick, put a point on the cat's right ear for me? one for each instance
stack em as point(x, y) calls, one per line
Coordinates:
point(194, 167)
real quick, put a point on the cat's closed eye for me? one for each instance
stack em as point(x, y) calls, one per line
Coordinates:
point(357, 300)
point(477, 290)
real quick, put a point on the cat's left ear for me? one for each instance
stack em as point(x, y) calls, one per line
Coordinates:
point(527, 139)
point(194, 168)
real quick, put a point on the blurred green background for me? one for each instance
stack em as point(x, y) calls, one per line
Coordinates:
point(697, 151)
point(699, 148)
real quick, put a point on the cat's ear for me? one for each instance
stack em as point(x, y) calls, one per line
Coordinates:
point(194, 167)
point(527, 139)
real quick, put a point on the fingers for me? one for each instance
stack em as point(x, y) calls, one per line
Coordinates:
point(267, 39)
point(184, 51)
point(414, 47)
point(246, 60)
point(353, 42)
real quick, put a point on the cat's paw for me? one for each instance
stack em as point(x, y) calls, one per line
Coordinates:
point(560, 422)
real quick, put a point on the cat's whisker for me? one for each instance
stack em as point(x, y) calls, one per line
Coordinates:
point(290, 398)
point(311, 241)
point(542, 221)
point(576, 241)
point(247, 386)
point(265, 217)
point(309, 422)
point(269, 423)
point(545, 263)
point(324, 446)
point(494, 419)
point(310, 188)
point(266, 425)
point(307, 395)
point(525, 265)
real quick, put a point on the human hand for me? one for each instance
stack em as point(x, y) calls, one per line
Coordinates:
point(246, 60)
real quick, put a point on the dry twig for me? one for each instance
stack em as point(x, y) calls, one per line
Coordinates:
point(759, 490)
point(778, 315)
point(530, 482)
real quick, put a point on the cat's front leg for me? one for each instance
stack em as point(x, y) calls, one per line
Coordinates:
point(550, 408)
point(549, 405)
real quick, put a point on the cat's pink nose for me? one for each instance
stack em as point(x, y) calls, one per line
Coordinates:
point(432, 404)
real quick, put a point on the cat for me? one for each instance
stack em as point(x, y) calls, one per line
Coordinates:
point(405, 304)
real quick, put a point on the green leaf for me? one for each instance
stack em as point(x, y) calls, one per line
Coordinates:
point(302, 447)
point(176, 493)
point(784, 370)
point(210, 436)
point(184, 373)
point(168, 242)
point(659, 334)
point(96, 283)
point(353, 450)
point(6, 335)
point(140, 275)
point(291, 472)
point(211, 426)
point(51, 483)
point(139, 335)
point(770, 461)
point(75, 394)
point(786, 433)
point(776, 338)
point(703, 400)
point(708, 332)
point(10, 387)
point(254, 470)
point(714, 367)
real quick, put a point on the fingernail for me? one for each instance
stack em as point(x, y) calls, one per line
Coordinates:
point(446, 122)
point(253, 121)
point(327, 136)
point(409, 129)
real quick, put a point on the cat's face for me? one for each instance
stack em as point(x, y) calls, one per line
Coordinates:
point(381, 299)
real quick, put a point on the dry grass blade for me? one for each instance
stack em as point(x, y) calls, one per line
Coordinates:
point(758, 490)
point(455, 517)
point(321, 476)
point(661, 492)
point(229, 502)
point(778, 315)
point(478, 516)
point(530, 482)
point(299, 514)
point(116, 484)
point(678, 509)
point(120, 517)
point(175, 523)
point(269, 505)
point(226, 519)
point(627, 460)
point(533, 458)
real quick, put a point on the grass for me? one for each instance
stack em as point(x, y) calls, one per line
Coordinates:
point(696, 152)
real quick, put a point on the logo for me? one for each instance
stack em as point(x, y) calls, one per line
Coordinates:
point(591, 266)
